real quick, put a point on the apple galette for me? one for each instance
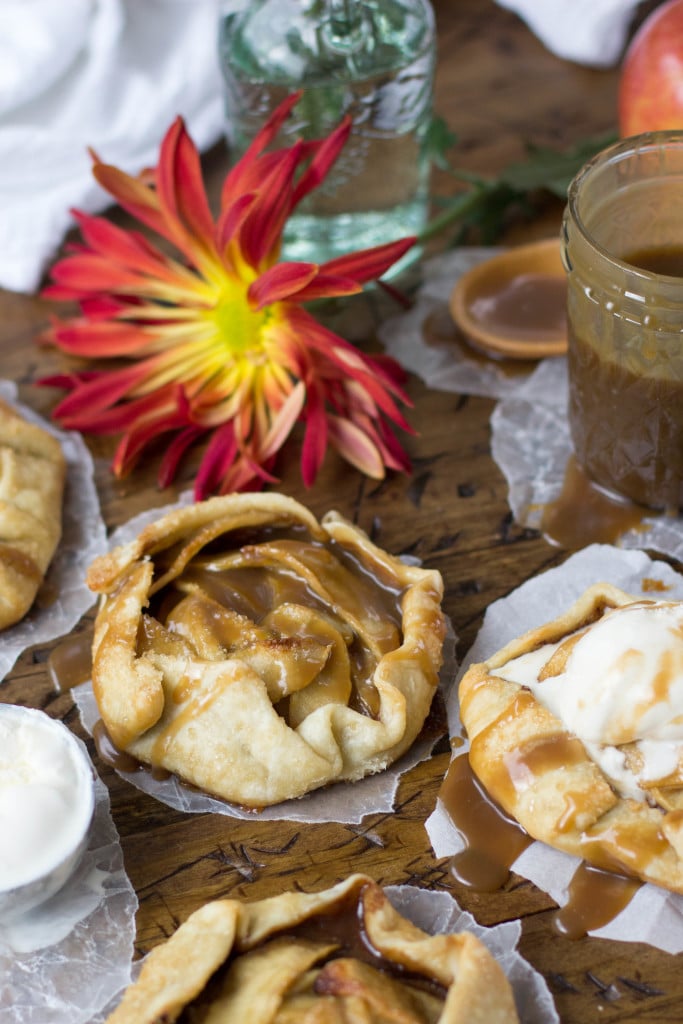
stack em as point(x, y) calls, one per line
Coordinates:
point(259, 654)
point(344, 954)
point(576, 730)
point(32, 474)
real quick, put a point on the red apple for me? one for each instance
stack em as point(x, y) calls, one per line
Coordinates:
point(651, 78)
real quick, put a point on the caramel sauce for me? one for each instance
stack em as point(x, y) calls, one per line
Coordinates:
point(627, 426)
point(584, 513)
point(110, 754)
point(70, 662)
point(595, 899)
point(193, 705)
point(493, 841)
point(438, 330)
point(650, 585)
point(549, 753)
point(664, 259)
point(527, 307)
point(362, 602)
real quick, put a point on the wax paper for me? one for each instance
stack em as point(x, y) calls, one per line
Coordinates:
point(83, 537)
point(423, 338)
point(654, 915)
point(438, 912)
point(344, 802)
point(64, 961)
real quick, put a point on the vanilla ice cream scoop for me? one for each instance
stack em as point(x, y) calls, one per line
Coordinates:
point(617, 681)
point(46, 806)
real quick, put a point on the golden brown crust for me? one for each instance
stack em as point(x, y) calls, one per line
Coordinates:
point(274, 975)
point(563, 798)
point(258, 705)
point(32, 474)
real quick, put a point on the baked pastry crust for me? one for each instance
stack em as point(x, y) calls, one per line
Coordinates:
point(542, 775)
point(32, 475)
point(278, 970)
point(259, 654)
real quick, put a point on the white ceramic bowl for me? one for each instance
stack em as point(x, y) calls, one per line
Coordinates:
point(47, 801)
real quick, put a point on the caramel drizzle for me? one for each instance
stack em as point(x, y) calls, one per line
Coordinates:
point(493, 841)
point(70, 662)
point(258, 579)
point(595, 897)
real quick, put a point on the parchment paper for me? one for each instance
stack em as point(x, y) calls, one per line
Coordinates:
point(344, 802)
point(436, 912)
point(83, 537)
point(654, 915)
point(408, 337)
point(63, 962)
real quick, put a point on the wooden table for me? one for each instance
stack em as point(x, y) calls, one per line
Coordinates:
point(498, 88)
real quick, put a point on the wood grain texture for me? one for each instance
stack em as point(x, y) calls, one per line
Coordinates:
point(499, 89)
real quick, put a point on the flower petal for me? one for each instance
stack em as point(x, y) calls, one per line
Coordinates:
point(235, 180)
point(279, 282)
point(326, 154)
point(315, 437)
point(283, 422)
point(367, 264)
point(181, 187)
point(356, 447)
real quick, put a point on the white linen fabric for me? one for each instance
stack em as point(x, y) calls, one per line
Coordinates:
point(106, 74)
point(591, 32)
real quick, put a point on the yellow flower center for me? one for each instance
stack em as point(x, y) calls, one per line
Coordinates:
point(238, 327)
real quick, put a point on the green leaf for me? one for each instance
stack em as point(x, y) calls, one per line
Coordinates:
point(551, 169)
point(437, 141)
point(486, 205)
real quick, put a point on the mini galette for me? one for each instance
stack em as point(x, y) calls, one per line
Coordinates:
point(576, 730)
point(32, 475)
point(259, 654)
point(341, 955)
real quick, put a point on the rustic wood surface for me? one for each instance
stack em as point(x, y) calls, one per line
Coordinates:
point(498, 88)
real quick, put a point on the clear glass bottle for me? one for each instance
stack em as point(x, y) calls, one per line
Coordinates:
point(623, 251)
point(372, 59)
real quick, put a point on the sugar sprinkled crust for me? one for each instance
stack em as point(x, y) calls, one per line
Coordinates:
point(593, 795)
point(32, 474)
point(258, 705)
point(274, 975)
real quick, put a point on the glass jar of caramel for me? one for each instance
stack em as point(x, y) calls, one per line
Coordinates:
point(623, 252)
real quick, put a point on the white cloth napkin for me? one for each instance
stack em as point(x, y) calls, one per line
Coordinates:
point(589, 32)
point(105, 74)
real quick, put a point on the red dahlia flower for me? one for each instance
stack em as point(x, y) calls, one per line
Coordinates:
point(216, 338)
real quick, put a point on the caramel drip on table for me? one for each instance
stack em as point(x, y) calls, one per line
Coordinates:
point(70, 663)
point(584, 514)
point(595, 899)
point(110, 754)
point(493, 841)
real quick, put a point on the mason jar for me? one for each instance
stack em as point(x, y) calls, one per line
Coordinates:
point(623, 252)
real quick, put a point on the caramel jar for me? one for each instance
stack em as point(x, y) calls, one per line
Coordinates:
point(623, 252)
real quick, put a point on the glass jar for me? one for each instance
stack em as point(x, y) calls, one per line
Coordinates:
point(623, 252)
point(372, 59)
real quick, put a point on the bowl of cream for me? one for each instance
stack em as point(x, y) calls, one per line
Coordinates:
point(47, 800)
